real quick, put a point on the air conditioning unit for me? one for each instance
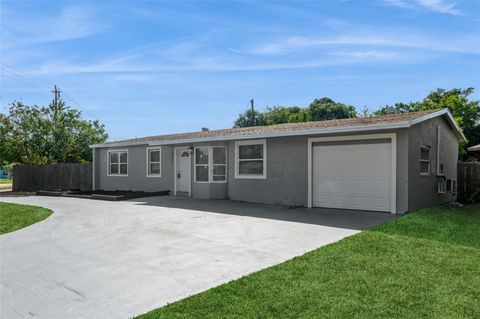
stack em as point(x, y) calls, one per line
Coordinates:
point(451, 186)
point(442, 186)
point(448, 185)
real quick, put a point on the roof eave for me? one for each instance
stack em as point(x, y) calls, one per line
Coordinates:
point(329, 130)
point(460, 136)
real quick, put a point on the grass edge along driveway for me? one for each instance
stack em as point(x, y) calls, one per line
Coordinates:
point(16, 216)
point(422, 265)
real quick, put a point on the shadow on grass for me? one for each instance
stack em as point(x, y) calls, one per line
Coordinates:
point(450, 223)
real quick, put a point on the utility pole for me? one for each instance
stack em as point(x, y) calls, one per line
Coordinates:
point(252, 113)
point(56, 91)
point(56, 98)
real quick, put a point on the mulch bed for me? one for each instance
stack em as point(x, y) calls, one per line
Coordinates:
point(103, 195)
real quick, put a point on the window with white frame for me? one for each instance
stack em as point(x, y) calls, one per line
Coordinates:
point(154, 165)
point(118, 163)
point(211, 164)
point(219, 164)
point(250, 159)
point(202, 165)
point(424, 160)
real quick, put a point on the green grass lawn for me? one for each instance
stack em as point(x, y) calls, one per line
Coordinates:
point(423, 265)
point(15, 216)
point(6, 181)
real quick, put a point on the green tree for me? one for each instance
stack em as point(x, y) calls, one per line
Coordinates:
point(282, 114)
point(52, 134)
point(250, 118)
point(319, 110)
point(327, 109)
point(465, 111)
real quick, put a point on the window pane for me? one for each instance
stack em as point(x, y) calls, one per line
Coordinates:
point(424, 153)
point(123, 169)
point(219, 155)
point(155, 168)
point(219, 178)
point(154, 156)
point(201, 155)
point(113, 157)
point(123, 157)
point(250, 151)
point(424, 167)
point(219, 170)
point(202, 174)
point(113, 169)
point(250, 167)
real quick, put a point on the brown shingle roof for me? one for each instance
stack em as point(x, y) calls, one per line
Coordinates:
point(287, 127)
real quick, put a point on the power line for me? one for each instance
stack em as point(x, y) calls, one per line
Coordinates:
point(56, 91)
point(25, 77)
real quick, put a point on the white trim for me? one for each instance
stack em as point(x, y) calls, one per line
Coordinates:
point(263, 142)
point(450, 117)
point(210, 165)
point(108, 163)
point(156, 148)
point(424, 160)
point(195, 164)
point(226, 166)
point(175, 171)
point(263, 135)
point(393, 147)
point(315, 131)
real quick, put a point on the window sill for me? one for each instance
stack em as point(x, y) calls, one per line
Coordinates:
point(250, 177)
point(212, 182)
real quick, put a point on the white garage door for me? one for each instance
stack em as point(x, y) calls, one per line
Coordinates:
point(353, 176)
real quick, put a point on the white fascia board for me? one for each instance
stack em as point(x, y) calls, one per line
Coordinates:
point(118, 144)
point(327, 130)
point(439, 113)
point(346, 129)
point(455, 124)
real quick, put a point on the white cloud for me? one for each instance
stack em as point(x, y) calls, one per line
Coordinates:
point(366, 38)
point(72, 22)
point(440, 6)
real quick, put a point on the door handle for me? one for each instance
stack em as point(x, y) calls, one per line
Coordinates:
point(178, 175)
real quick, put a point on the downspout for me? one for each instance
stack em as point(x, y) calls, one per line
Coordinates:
point(439, 172)
point(93, 168)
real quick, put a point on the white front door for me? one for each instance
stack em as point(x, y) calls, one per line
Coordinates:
point(182, 169)
point(353, 176)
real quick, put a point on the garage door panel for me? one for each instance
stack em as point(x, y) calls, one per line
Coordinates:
point(354, 188)
point(354, 176)
point(362, 203)
point(374, 153)
point(375, 171)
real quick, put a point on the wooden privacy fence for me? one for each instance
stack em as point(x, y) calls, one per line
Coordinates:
point(64, 176)
point(468, 180)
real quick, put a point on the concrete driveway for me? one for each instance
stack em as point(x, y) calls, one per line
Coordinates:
point(98, 259)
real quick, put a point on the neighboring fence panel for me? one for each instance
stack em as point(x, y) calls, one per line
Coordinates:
point(468, 180)
point(64, 176)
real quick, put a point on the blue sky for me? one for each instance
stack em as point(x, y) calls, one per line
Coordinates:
point(154, 67)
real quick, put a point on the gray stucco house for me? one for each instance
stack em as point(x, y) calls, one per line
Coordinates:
point(394, 163)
